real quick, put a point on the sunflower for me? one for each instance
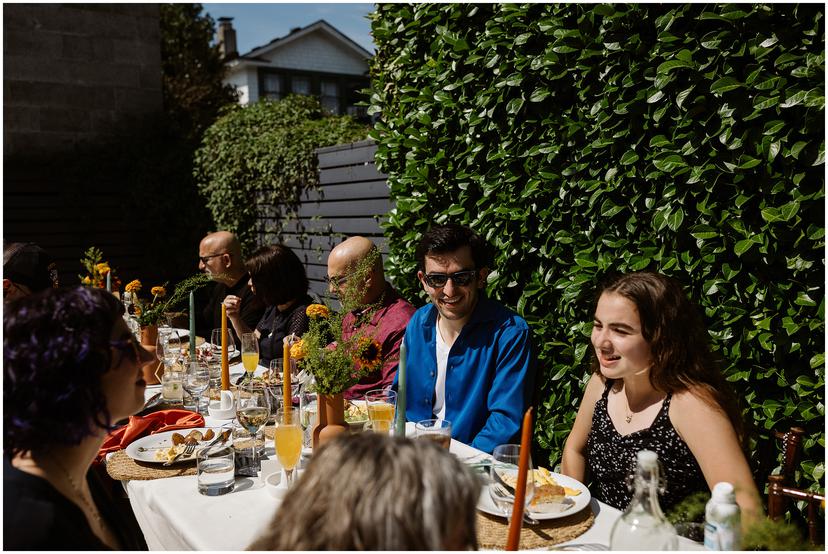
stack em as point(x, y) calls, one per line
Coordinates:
point(133, 286)
point(315, 311)
point(369, 353)
point(158, 292)
point(297, 350)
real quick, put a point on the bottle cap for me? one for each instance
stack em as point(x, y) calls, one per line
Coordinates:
point(723, 492)
point(647, 459)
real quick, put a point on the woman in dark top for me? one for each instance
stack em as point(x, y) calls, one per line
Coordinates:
point(278, 277)
point(71, 367)
point(655, 386)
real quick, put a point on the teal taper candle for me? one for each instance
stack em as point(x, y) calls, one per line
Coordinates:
point(192, 328)
point(400, 423)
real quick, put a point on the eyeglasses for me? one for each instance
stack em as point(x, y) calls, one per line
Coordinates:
point(127, 346)
point(460, 279)
point(205, 258)
point(337, 281)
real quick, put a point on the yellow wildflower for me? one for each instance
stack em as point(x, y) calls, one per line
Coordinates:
point(103, 268)
point(315, 311)
point(133, 286)
point(297, 350)
point(159, 292)
point(86, 280)
point(369, 353)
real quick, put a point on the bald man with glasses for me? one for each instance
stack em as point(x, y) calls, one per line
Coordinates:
point(469, 358)
point(220, 256)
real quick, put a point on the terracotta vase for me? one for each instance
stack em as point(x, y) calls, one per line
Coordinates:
point(334, 419)
point(153, 370)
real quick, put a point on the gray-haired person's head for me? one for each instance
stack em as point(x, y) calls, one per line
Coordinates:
point(373, 492)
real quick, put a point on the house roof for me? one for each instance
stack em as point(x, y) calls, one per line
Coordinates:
point(257, 53)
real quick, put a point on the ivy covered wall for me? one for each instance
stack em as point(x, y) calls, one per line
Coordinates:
point(587, 139)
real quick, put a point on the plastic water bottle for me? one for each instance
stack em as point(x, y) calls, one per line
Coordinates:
point(722, 520)
point(643, 525)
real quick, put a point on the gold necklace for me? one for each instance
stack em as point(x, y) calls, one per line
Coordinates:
point(629, 412)
point(90, 505)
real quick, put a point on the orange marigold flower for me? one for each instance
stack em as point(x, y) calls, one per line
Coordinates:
point(103, 268)
point(315, 311)
point(86, 280)
point(370, 353)
point(297, 350)
point(137, 310)
point(133, 286)
point(160, 292)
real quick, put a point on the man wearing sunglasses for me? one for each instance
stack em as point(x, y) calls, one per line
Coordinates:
point(387, 323)
point(220, 256)
point(469, 358)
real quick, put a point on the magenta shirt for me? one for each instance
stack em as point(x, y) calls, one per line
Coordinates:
point(386, 327)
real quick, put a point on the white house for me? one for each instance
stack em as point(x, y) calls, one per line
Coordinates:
point(317, 59)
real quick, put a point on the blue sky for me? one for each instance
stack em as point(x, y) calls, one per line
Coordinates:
point(258, 24)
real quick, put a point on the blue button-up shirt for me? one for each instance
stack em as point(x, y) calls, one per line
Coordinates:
point(489, 374)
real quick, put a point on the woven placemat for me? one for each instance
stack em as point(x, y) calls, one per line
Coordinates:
point(123, 468)
point(493, 531)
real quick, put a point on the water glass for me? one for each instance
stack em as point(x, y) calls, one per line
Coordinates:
point(277, 369)
point(172, 387)
point(437, 430)
point(216, 470)
point(248, 458)
point(504, 475)
point(381, 404)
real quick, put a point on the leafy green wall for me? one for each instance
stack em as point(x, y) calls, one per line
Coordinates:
point(585, 139)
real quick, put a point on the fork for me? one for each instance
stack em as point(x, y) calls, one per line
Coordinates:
point(188, 450)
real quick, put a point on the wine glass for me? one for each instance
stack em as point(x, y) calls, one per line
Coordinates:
point(252, 410)
point(215, 347)
point(168, 346)
point(288, 440)
point(381, 404)
point(196, 381)
point(504, 474)
point(309, 412)
point(249, 353)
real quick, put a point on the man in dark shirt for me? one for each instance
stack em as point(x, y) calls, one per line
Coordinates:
point(387, 324)
point(219, 255)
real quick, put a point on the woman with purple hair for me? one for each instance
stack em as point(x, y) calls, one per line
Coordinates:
point(71, 368)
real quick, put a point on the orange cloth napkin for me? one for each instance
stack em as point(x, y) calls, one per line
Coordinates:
point(156, 422)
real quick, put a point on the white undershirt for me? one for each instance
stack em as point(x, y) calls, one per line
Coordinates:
point(442, 349)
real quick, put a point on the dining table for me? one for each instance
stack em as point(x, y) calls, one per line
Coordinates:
point(173, 515)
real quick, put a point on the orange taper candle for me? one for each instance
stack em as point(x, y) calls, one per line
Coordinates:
point(513, 542)
point(287, 398)
point(225, 366)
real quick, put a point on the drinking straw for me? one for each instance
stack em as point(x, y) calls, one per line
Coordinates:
point(225, 366)
point(192, 328)
point(513, 542)
point(400, 423)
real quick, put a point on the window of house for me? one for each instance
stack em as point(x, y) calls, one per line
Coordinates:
point(329, 96)
point(272, 86)
point(300, 85)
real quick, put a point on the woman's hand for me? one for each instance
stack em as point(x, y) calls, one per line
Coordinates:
point(233, 305)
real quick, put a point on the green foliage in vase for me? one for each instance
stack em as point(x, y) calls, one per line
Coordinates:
point(582, 140)
point(337, 363)
point(151, 313)
point(259, 156)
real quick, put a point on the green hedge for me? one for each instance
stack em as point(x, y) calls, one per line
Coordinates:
point(263, 154)
point(585, 139)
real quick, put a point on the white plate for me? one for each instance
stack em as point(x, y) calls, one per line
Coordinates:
point(163, 440)
point(572, 504)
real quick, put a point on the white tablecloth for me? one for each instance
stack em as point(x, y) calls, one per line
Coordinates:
point(174, 516)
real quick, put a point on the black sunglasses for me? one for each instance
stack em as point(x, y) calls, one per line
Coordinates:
point(460, 279)
point(337, 281)
point(127, 346)
point(205, 258)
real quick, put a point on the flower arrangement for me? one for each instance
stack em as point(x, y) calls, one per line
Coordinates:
point(149, 313)
point(97, 270)
point(338, 363)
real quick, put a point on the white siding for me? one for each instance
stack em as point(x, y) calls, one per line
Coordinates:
point(318, 52)
point(245, 82)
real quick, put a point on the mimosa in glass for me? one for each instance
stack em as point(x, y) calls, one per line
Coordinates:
point(250, 353)
point(288, 440)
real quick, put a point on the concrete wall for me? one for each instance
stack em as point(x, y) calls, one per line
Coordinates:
point(74, 72)
point(318, 52)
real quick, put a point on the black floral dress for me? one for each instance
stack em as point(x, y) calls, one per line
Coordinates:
point(611, 458)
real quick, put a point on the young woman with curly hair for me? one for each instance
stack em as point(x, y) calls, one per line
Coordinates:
point(71, 368)
point(655, 386)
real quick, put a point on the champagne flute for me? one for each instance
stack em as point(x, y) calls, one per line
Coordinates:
point(381, 404)
point(288, 440)
point(504, 474)
point(252, 410)
point(249, 354)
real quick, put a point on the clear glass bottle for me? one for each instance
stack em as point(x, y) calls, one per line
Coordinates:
point(643, 525)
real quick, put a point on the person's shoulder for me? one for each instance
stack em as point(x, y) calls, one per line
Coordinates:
point(502, 315)
point(692, 405)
